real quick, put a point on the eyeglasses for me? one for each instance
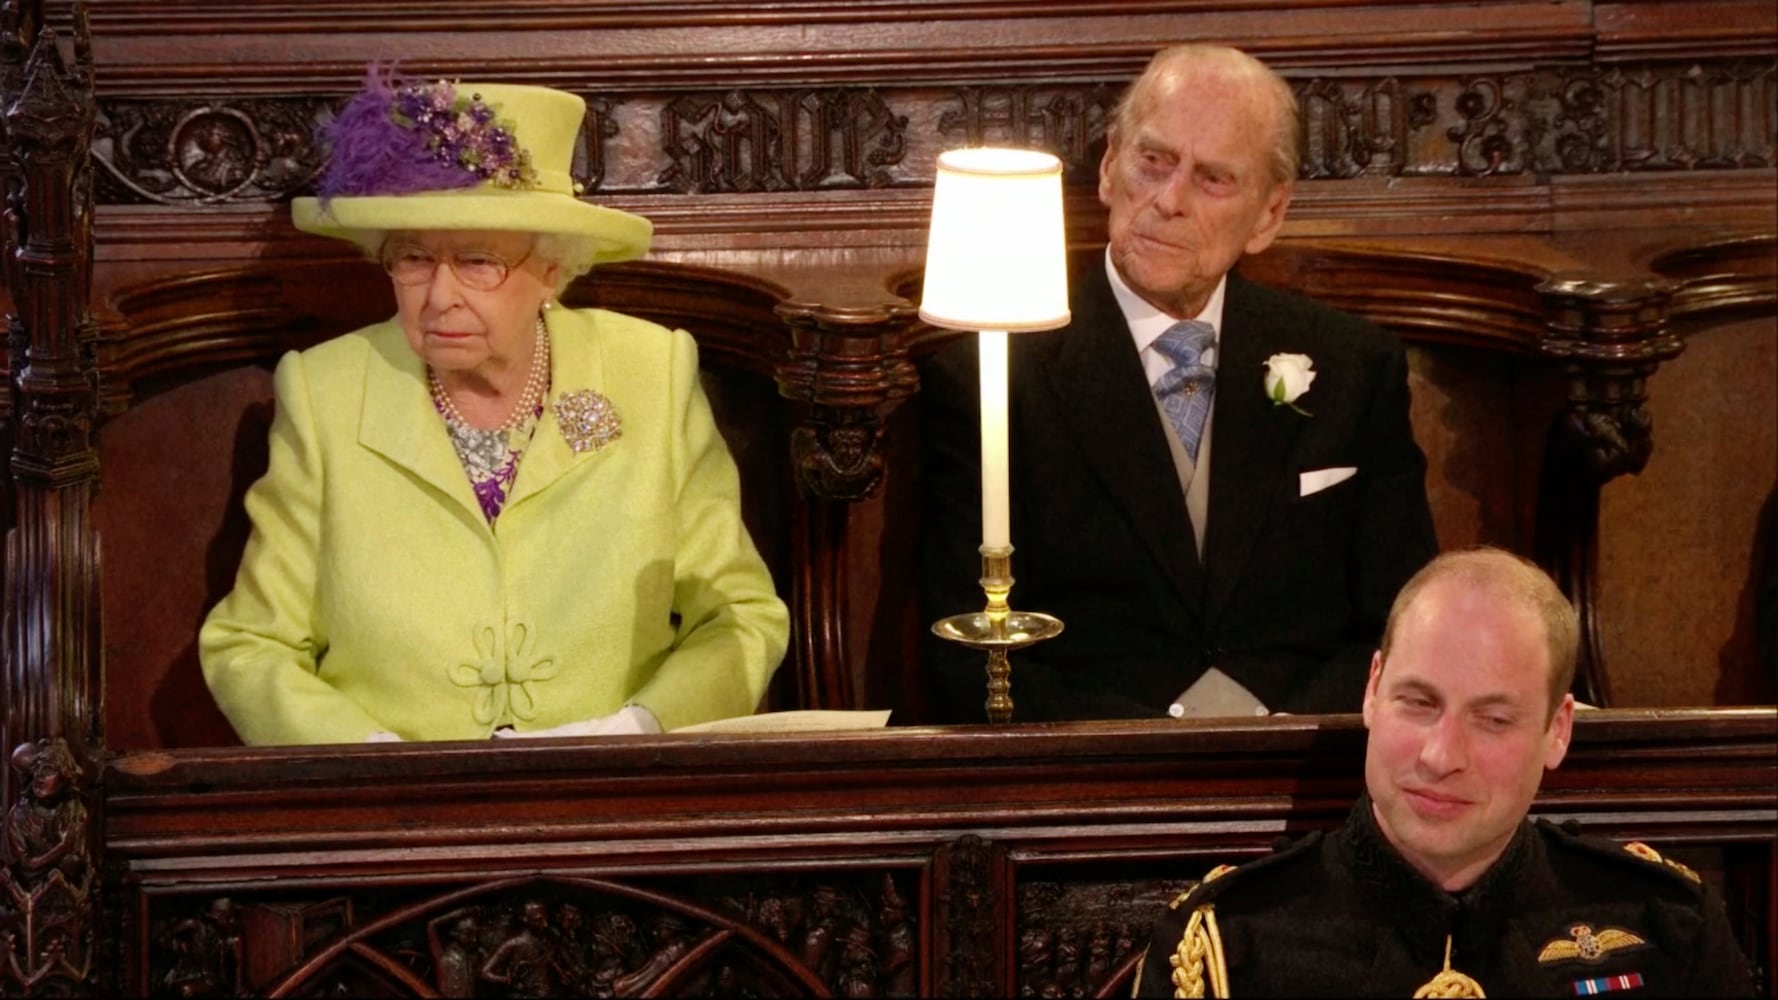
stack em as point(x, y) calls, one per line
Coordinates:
point(477, 269)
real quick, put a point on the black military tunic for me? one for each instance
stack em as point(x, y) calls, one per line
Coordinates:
point(1344, 915)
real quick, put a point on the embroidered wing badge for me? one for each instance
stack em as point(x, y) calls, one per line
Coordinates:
point(1587, 945)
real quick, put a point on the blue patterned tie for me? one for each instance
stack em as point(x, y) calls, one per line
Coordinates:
point(1186, 390)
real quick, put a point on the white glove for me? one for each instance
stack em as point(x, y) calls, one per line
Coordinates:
point(631, 720)
point(383, 736)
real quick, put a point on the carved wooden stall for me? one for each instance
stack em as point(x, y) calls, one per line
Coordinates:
point(1541, 197)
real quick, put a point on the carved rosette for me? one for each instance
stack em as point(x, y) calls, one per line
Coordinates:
point(170, 153)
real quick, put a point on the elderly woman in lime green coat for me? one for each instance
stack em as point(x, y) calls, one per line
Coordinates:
point(490, 515)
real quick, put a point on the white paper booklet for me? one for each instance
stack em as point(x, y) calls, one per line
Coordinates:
point(811, 721)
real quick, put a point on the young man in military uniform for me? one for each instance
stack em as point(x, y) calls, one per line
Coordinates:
point(1438, 885)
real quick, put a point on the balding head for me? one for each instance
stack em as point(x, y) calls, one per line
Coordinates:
point(1513, 581)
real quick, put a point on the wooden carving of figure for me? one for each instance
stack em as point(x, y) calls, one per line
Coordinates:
point(900, 972)
point(523, 962)
point(574, 952)
point(1034, 961)
point(614, 942)
point(46, 829)
point(858, 965)
point(208, 949)
point(456, 960)
point(1068, 960)
point(1098, 956)
point(1126, 943)
point(823, 929)
point(670, 945)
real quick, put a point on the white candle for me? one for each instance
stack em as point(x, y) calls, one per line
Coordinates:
point(996, 490)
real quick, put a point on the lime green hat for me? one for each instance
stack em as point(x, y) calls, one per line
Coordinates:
point(449, 155)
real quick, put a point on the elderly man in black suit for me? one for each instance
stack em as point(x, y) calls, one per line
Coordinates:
point(1252, 580)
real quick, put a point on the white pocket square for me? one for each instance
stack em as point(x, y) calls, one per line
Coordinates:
point(1316, 480)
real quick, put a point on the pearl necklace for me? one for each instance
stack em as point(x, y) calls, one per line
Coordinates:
point(536, 385)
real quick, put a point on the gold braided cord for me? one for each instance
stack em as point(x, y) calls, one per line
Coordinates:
point(1450, 982)
point(1201, 942)
point(1199, 957)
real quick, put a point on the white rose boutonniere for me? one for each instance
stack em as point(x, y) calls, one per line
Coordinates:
point(1288, 376)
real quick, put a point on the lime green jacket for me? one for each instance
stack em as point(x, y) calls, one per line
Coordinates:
point(374, 596)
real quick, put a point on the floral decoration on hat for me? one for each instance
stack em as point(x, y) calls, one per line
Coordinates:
point(399, 136)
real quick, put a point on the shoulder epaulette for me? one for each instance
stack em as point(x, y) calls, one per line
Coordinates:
point(1199, 966)
point(1221, 878)
point(1635, 853)
point(1653, 856)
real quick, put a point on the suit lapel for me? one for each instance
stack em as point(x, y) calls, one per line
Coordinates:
point(1092, 370)
point(575, 365)
point(1252, 438)
point(397, 419)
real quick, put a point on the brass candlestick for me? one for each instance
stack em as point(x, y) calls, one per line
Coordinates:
point(998, 629)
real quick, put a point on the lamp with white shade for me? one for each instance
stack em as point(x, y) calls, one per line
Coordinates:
point(996, 263)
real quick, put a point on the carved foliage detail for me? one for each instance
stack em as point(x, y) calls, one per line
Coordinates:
point(968, 901)
point(1561, 120)
point(1567, 121)
point(1556, 120)
point(160, 152)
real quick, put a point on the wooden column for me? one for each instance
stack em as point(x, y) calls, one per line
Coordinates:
point(50, 686)
point(1609, 336)
point(849, 366)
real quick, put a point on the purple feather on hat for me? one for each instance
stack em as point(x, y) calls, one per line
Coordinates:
point(396, 137)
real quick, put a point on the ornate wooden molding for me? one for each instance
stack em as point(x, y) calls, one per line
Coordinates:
point(849, 365)
point(50, 723)
point(1548, 121)
point(1609, 336)
point(755, 935)
point(968, 901)
point(802, 844)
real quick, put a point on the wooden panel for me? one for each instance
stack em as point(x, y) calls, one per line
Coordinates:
point(1544, 198)
point(989, 843)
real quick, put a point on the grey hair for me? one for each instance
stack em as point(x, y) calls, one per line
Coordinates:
point(1170, 62)
point(572, 253)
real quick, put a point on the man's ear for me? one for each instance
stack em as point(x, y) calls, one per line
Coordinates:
point(1107, 163)
point(1561, 733)
point(1371, 684)
point(1271, 219)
